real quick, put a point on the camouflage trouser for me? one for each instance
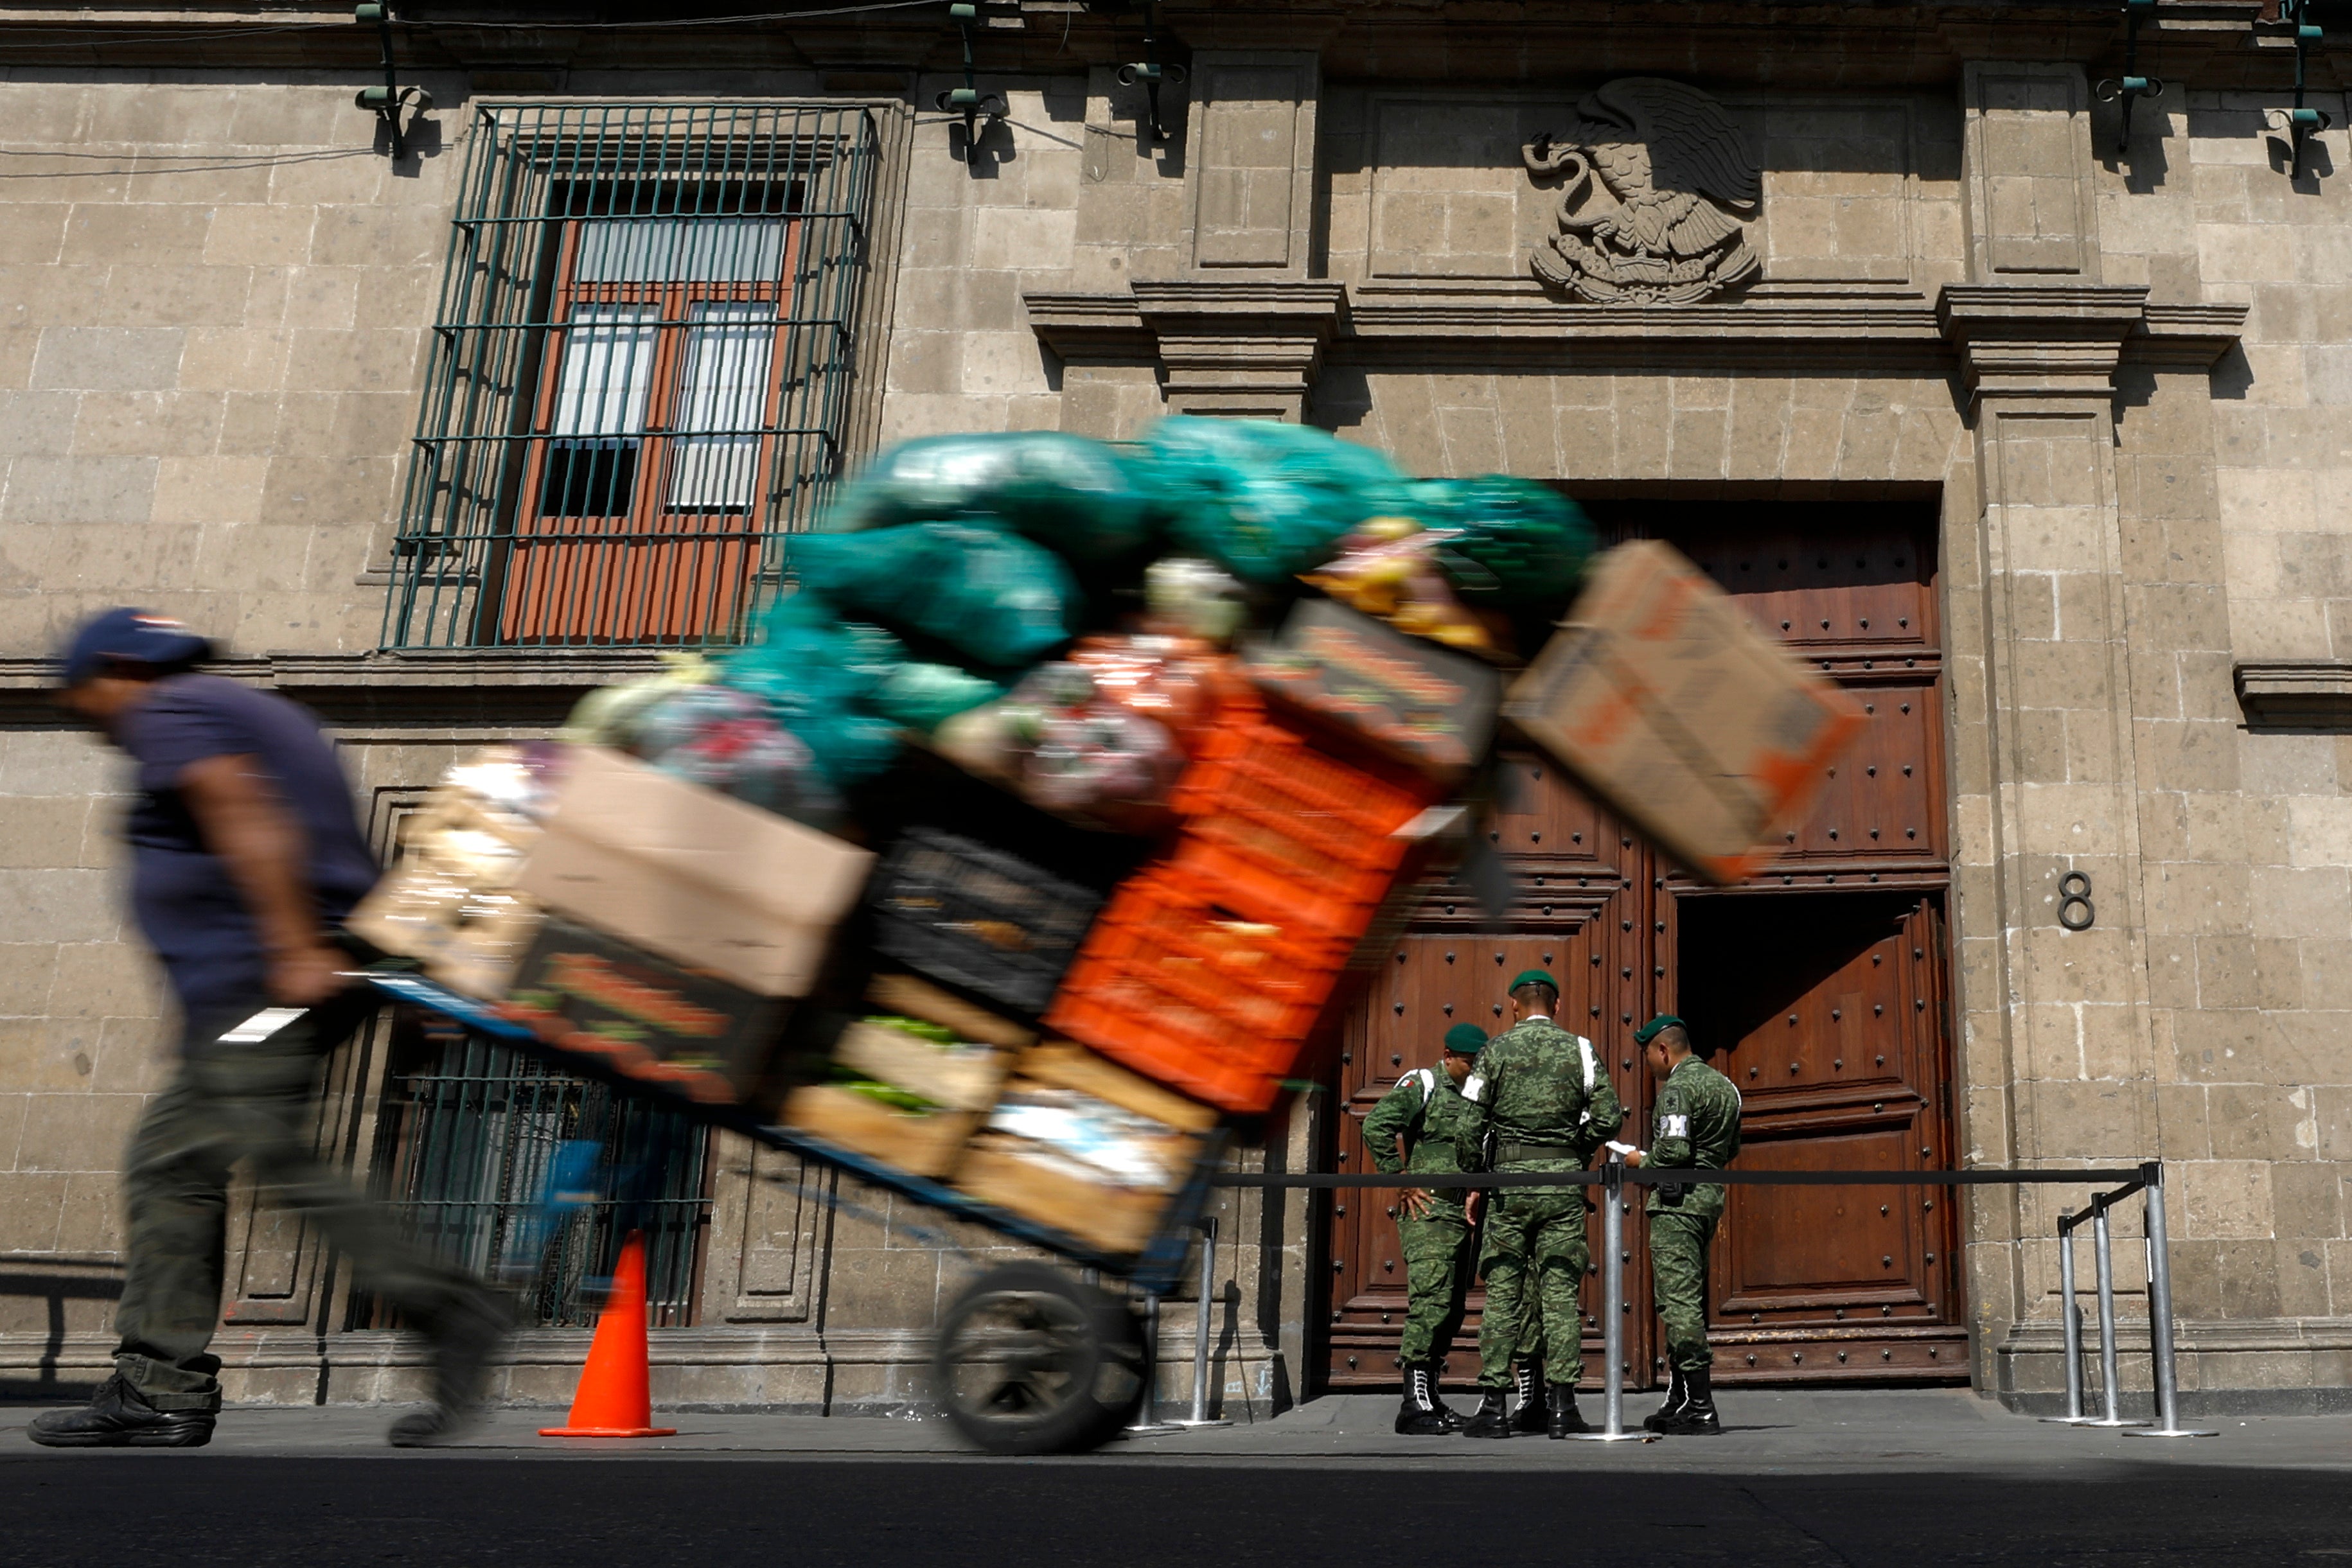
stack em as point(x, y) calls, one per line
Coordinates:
point(1533, 1261)
point(231, 1102)
point(1436, 1279)
point(1678, 1246)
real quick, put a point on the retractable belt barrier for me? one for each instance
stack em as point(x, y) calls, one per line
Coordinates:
point(2145, 1177)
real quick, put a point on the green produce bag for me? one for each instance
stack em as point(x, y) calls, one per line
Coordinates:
point(819, 677)
point(1078, 495)
point(992, 595)
point(1504, 540)
point(925, 697)
point(1266, 501)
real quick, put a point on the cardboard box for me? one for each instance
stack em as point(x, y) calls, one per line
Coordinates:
point(964, 1084)
point(1042, 1182)
point(1669, 704)
point(1409, 698)
point(693, 875)
point(450, 903)
point(691, 1030)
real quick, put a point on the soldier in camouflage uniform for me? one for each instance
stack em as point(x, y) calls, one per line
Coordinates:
point(1414, 1129)
point(1696, 1124)
point(1540, 1102)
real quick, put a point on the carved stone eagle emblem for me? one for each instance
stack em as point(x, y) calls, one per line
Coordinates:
point(1656, 184)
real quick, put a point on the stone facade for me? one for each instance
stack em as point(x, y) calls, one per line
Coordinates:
point(2121, 372)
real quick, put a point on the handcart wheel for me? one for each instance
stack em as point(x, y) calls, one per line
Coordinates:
point(1032, 1361)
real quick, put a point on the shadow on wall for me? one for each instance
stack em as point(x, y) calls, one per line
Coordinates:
point(53, 1283)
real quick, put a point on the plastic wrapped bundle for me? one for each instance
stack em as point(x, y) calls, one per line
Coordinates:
point(819, 677)
point(1068, 748)
point(726, 740)
point(1389, 569)
point(1266, 501)
point(1196, 597)
point(608, 716)
point(925, 697)
point(992, 595)
point(1075, 495)
point(1504, 540)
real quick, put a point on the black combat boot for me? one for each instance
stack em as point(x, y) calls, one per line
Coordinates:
point(464, 1334)
point(1559, 1400)
point(1696, 1418)
point(1527, 1414)
point(1437, 1395)
point(1493, 1418)
point(118, 1417)
point(1676, 1392)
point(1418, 1416)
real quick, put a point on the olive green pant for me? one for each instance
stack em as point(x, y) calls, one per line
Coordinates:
point(1533, 1261)
point(247, 1100)
point(1679, 1240)
point(1437, 1264)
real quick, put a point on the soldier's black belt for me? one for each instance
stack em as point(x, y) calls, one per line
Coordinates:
point(1682, 1174)
point(1508, 1152)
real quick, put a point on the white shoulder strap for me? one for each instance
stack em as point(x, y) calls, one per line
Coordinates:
point(1592, 1076)
point(1428, 1081)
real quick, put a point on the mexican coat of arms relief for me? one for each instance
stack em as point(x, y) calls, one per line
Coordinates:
point(1656, 188)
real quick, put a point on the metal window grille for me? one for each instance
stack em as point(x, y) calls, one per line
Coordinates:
point(641, 371)
point(531, 1178)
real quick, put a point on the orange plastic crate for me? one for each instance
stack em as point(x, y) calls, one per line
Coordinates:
point(1264, 811)
point(1191, 987)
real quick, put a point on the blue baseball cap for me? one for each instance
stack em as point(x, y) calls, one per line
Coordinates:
point(133, 636)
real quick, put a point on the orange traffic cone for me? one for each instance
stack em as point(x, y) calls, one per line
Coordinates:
point(616, 1397)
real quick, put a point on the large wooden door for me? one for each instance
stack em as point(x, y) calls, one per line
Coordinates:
point(1822, 983)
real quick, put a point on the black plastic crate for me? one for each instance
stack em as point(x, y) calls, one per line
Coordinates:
point(977, 917)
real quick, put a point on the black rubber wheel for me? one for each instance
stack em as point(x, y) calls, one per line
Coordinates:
point(1032, 1361)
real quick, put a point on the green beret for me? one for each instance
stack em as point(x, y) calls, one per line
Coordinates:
point(1535, 977)
point(1649, 1031)
point(1466, 1040)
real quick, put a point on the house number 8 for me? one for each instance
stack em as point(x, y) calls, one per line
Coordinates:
point(2075, 912)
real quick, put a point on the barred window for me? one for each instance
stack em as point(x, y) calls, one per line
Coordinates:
point(641, 371)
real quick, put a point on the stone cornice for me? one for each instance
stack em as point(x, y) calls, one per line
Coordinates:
point(2040, 339)
point(2286, 693)
point(520, 687)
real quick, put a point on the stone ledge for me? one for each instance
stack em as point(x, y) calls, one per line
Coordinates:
point(2288, 692)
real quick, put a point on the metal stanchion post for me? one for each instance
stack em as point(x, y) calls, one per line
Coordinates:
point(1147, 1422)
point(1612, 1306)
point(2071, 1322)
point(1200, 1417)
point(2159, 1318)
point(2110, 1378)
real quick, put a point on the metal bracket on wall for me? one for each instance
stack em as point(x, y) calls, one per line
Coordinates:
point(2131, 85)
point(387, 101)
point(967, 100)
point(2299, 124)
point(1152, 72)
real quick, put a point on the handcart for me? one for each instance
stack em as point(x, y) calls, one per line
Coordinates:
point(1030, 1358)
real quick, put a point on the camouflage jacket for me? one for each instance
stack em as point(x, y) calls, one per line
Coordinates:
point(1427, 1112)
point(1695, 1122)
point(1538, 1086)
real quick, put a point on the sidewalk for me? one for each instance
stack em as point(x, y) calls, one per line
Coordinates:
point(1815, 1432)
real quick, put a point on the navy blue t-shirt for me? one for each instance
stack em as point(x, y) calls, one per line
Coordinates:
point(186, 903)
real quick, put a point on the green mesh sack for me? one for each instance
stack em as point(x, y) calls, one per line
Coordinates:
point(1076, 496)
point(1503, 541)
point(819, 677)
point(1266, 501)
point(925, 697)
point(993, 596)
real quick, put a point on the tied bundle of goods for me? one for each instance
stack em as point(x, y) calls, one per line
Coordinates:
point(1062, 784)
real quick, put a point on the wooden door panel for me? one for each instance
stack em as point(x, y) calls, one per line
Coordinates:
point(1882, 801)
point(1807, 1250)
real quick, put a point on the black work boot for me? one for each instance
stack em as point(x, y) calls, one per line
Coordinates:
point(464, 1336)
point(1527, 1414)
point(1437, 1395)
point(1696, 1418)
point(1493, 1418)
point(1561, 1408)
point(1677, 1390)
point(118, 1417)
point(1418, 1416)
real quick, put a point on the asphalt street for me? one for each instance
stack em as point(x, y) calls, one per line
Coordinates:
point(1855, 1479)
